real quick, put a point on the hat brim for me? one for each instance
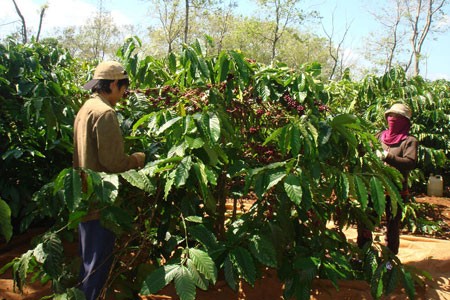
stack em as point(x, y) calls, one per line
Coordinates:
point(395, 111)
point(88, 86)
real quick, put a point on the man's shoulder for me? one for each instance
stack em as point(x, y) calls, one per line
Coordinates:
point(97, 105)
point(412, 138)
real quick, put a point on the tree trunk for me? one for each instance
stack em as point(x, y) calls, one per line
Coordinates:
point(418, 36)
point(221, 197)
point(40, 22)
point(186, 23)
point(24, 25)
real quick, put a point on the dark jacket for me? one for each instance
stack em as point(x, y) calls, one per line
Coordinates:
point(402, 156)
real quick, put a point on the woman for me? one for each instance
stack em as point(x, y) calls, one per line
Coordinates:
point(400, 152)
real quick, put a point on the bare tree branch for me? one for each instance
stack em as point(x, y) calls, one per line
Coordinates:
point(421, 12)
point(41, 17)
point(335, 51)
point(24, 25)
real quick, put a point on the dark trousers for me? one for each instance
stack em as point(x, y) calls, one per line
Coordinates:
point(393, 229)
point(96, 251)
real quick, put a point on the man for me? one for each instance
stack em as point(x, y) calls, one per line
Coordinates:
point(99, 146)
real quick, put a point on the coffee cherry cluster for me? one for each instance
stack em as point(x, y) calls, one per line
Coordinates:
point(292, 104)
point(262, 154)
point(320, 106)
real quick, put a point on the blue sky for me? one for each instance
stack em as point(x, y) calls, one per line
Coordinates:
point(354, 12)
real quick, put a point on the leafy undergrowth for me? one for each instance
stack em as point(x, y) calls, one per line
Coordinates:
point(432, 217)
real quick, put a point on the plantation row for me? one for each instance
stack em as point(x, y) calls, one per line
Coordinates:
point(213, 128)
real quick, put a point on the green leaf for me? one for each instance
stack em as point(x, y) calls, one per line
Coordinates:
point(378, 197)
point(204, 236)
point(361, 192)
point(295, 141)
point(169, 184)
point(392, 280)
point(158, 279)
point(342, 187)
point(6, 229)
point(54, 255)
point(214, 127)
point(194, 143)
point(306, 263)
point(243, 262)
point(199, 280)
point(230, 275)
point(264, 251)
point(71, 294)
point(39, 253)
point(59, 181)
point(393, 193)
point(72, 189)
point(20, 268)
point(168, 124)
point(194, 219)
point(139, 180)
point(204, 264)
point(376, 284)
point(182, 171)
point(222, 67)
point(107, 189)
point(116, 219)
point(184, 284)
point(172, 62)
point(333, 273)
point(201, 174)
point(409, 284)
point(344, 119)
point(303, 289)
point(275, 178)
point(293, 188)
point(348, 135)
point(242, 66)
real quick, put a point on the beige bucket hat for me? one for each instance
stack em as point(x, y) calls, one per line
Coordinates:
point(401, 109)
point(110, 70)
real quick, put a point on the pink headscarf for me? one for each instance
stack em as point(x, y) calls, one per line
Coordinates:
point(398, 129)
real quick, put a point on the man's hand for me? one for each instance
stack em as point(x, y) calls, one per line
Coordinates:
point(140, 159)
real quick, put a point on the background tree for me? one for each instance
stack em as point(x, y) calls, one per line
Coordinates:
point(283, 13)
point(416, 19)
point(169, 13)
point(386, 50)
point(219, 24)
point(98, 39)
point(422, 17)
point(336, 52)
point(23, 31)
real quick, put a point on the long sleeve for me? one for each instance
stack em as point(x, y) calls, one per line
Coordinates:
point(110, 144)
point(404, 160)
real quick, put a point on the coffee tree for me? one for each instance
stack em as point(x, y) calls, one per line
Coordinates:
point(221, 129)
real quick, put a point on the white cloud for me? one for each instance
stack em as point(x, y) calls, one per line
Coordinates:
point(58, 14)
point(68, 13)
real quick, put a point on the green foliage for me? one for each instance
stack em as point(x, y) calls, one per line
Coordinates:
point(37, 100)
point(5, 220)
point(45, 261)
point(222, 128)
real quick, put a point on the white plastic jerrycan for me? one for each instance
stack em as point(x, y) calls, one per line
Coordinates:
point(435, 186)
